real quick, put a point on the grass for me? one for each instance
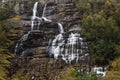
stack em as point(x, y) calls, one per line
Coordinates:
point(16, 18)
point(4, 55)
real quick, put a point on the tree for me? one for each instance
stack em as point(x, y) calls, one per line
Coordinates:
point(103, 37)
point(84, 7)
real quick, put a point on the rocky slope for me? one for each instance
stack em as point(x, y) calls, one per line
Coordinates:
point(36, 65)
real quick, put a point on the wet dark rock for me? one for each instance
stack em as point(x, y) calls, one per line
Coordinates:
point(38, 67)
point(33, 59)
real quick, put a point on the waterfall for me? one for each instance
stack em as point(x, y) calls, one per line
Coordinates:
point(72, 51)
point(69, 51)
point(71, 47)
point(25, 36)
point(43, 15)
point(16, 47)
point(35, 10)
point(20, 42)
point(60, 28)
point(34, 15)
point(57, 42)
point(33, 22)
point(57, 49)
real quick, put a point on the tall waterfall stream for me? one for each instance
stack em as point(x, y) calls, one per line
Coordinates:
point(72, 49)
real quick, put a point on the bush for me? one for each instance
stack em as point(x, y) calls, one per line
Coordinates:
point(72, 74)
point(114, 73)
point(4, 13)
point(101, 28)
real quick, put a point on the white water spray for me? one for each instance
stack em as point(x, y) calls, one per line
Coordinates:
point(69, 51)
point(34, 15)
point(69, 48)
point(61, 28)
point(35, 22)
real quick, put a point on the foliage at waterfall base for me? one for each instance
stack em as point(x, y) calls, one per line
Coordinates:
point(101, 27)
point(71, 74)
point(114, 73)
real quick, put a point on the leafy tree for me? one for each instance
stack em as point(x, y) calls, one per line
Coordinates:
point(103, 36)
point(83, 7)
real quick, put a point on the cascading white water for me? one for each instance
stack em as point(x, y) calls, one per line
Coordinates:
point(25, 36)
point(35, 10)
point(43, 15)
point(69, 51)
point(60, 28)
point(57, 42)
point(16, 47)
point(72, 43)
point(20, 42)
point(34, 15)
point(33, 22)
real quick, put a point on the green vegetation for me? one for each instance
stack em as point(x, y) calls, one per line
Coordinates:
point(71, 74)
point(4, 13)
point(101, 27)
point(114, 73)
point(6, 10)
point(4, 53)
point(4, 63)
point(5, 28)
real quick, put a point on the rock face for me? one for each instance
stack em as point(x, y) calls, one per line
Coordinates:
point(36, 67)
point(33, 62)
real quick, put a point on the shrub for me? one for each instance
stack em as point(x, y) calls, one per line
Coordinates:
point(4, 13)
point(72, 74)
point(114, 73)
